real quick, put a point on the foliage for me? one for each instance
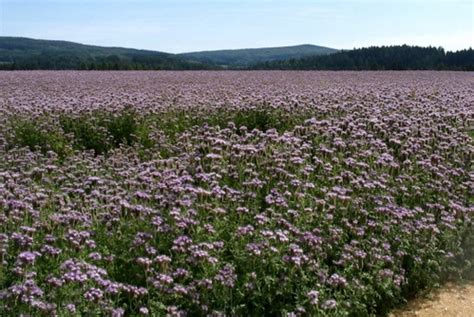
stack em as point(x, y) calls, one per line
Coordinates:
point(27, 133)
point(242, 58)
point(344, 195)
point(23, 53)
point(381, 58)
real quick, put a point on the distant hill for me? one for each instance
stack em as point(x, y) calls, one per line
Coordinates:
point(402, 57)
point(25, 53)
point(250, 56)
point(18, 53)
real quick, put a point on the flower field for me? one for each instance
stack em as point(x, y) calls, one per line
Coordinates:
point(232, 193)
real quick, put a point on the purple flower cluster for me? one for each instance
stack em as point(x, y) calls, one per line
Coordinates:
point(363, 198)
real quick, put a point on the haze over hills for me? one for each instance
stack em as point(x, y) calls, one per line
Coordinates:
point(250, 56)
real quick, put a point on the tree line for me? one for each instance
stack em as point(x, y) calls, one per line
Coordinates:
point(52, 61)
point(26, 54)
point(402, 57)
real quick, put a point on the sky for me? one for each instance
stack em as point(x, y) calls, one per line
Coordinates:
point(177, 26)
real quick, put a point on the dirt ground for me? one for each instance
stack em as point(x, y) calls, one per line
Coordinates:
point(449, 301)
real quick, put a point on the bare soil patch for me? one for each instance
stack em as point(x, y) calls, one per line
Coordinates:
point(452, 300)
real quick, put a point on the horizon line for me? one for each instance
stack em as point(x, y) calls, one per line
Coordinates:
point(232, 49)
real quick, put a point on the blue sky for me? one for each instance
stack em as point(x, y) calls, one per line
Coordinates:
point(193, 25)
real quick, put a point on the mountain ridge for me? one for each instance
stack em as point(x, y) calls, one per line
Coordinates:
point(247, 56)
point(21, 53)
point(28, 53)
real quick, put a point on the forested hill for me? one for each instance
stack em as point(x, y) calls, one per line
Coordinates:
point(25, 53)
point(241, 58)
point(381, 58)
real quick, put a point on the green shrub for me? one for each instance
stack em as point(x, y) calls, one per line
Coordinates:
point(123, 128)
point(101, 131)
point(27, 133)
point(87, 134)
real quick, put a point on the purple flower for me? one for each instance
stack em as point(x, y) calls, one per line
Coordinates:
point(329, 304)
point(93, 294)
point(144, 311)
point(25, 258)
point(313, 297)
